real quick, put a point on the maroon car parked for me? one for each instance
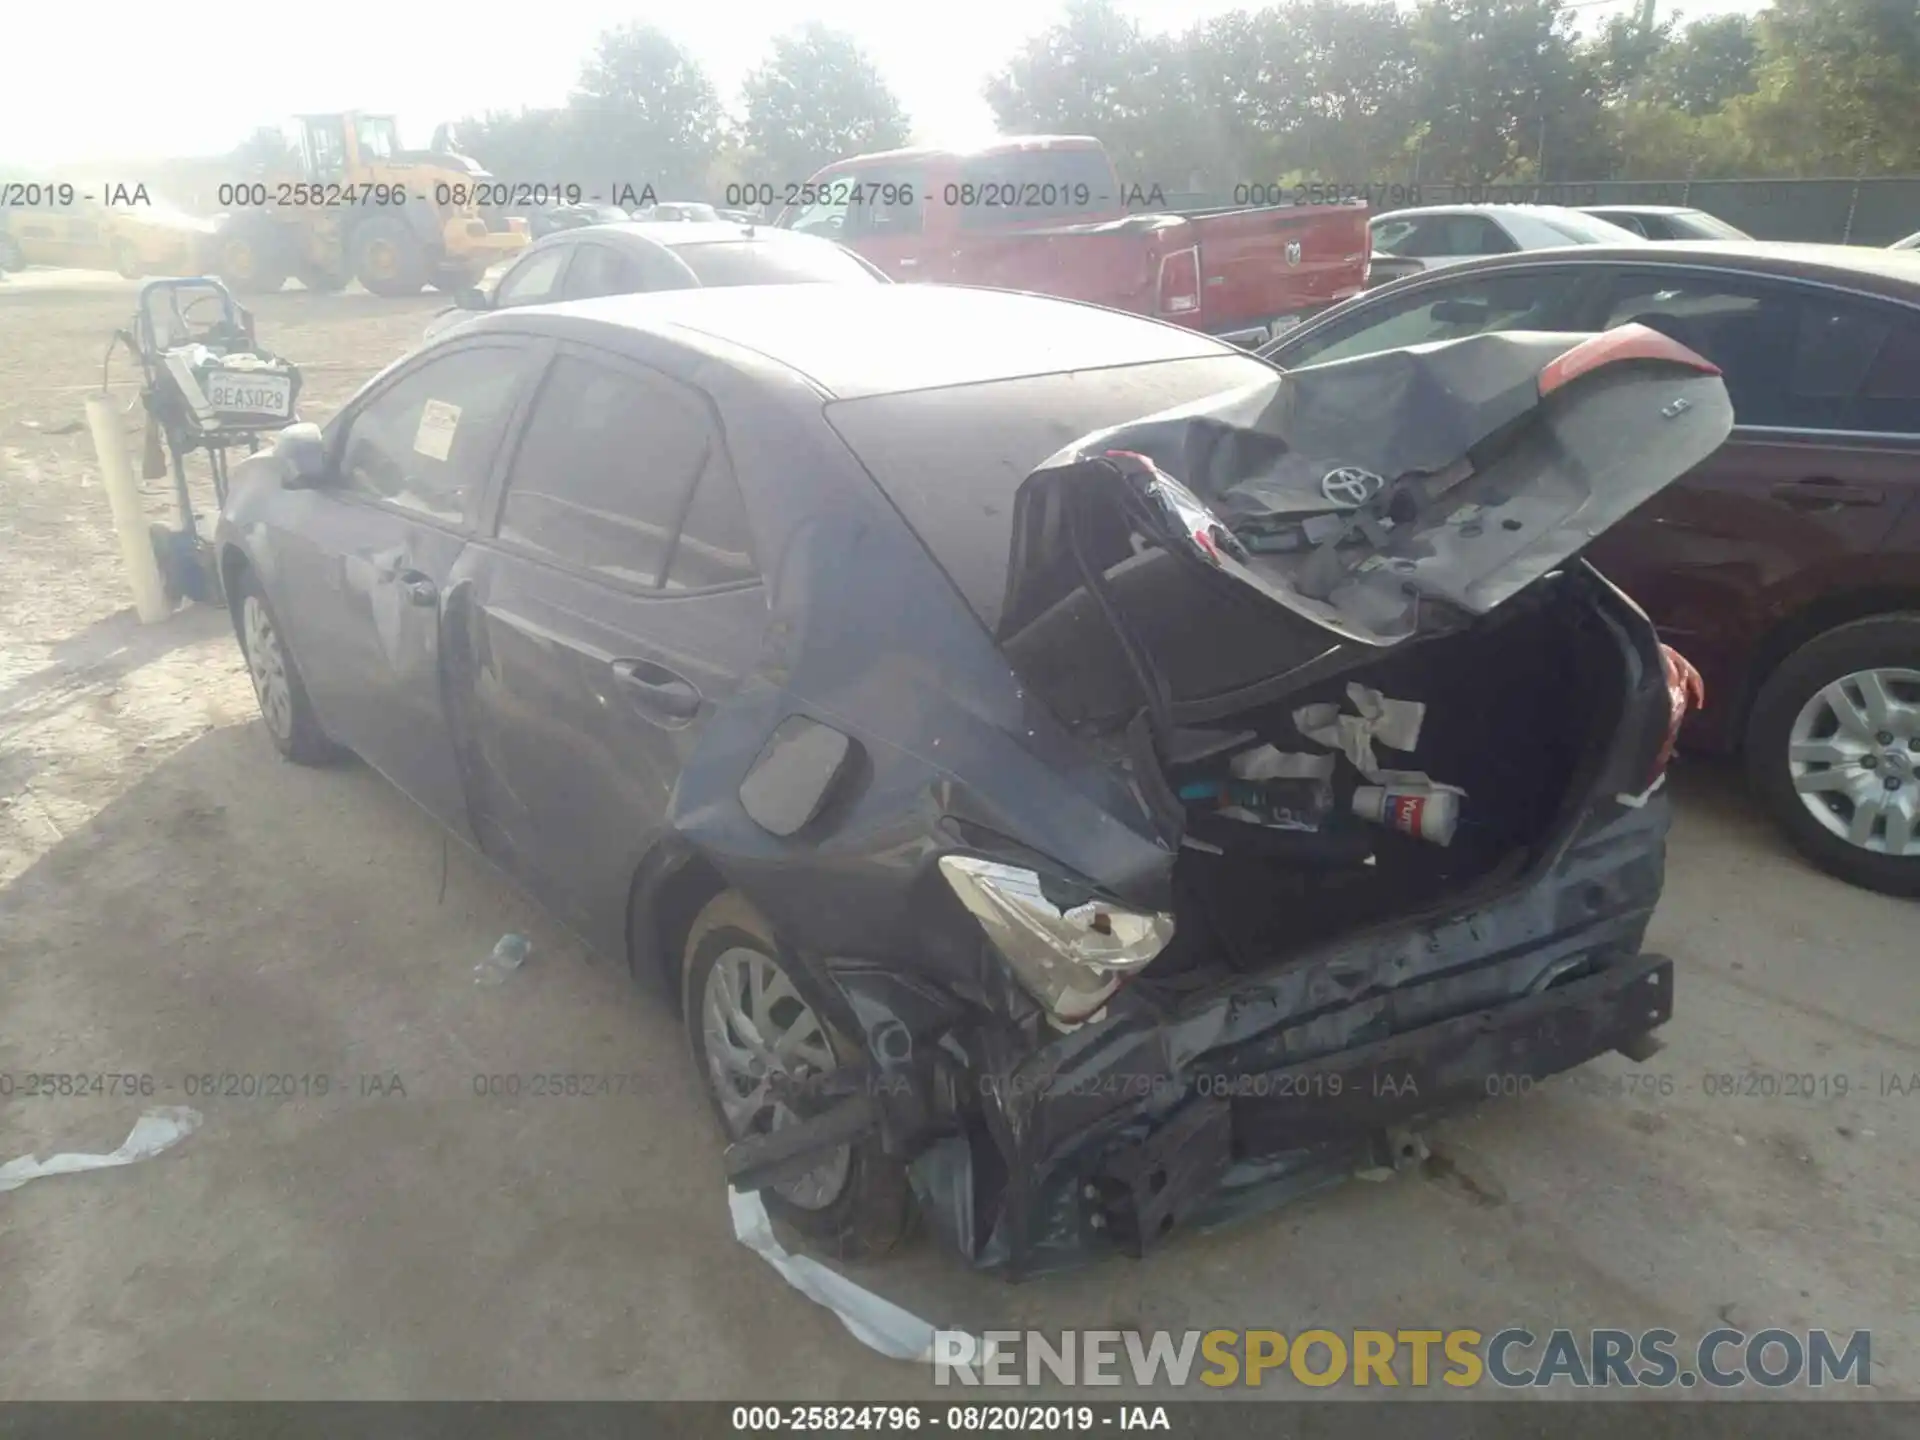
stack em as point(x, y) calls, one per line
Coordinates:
point(1787, 567)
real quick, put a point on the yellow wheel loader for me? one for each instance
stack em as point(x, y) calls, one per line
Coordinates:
point(347, 203)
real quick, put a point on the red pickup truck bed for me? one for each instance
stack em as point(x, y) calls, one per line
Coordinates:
point(1047, 214)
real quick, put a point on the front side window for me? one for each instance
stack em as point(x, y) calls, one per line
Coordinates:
point(427, 442)
point(1534, 300)
point(605, 468)
point(376, 137)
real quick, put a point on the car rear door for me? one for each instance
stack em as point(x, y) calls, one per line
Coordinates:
point(1824, 456)
point(614, 603)
point(361, 565)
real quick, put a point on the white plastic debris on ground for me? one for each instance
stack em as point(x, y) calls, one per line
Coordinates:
point(159, 1129)
point(875, 1322)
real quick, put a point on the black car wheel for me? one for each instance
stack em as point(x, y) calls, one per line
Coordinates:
point(284, 705)
point(755, 1031)
point(11, 257)
point(1833, 747)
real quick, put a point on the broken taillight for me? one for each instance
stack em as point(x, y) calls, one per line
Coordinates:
point(1685, 691)
point(1623, 342)
point(1180, 282)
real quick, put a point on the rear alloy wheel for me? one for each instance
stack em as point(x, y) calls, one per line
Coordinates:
point(760, 1040)
point(127, 262)
point(284, 706)
point(388, 259)
point(1834, 749)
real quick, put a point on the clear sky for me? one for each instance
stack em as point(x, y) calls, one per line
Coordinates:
point(87, 82)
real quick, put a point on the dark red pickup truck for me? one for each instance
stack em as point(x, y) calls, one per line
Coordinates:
point(1047, 213)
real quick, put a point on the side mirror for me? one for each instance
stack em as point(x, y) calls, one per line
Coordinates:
point(302, 453)
point(472, 298)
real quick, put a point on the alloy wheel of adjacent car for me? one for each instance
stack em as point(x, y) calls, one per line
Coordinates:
point(1833, 745)
point(1854, 754)
point(762, 1037)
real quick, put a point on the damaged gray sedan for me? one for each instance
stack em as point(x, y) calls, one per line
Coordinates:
point(1076, 780)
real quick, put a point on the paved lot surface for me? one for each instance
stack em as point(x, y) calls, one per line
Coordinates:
point(176, 902)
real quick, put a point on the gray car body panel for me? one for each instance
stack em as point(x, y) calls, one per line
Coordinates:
point(856, 626)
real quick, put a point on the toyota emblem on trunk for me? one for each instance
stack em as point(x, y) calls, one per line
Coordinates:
point(1293, 252)
point(1350, 486)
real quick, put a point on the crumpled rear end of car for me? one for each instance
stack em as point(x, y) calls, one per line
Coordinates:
point(1152, 926)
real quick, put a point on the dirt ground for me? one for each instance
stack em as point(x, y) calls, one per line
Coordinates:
point(175, 902)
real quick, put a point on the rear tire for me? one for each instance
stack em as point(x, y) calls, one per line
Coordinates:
point(127, 262)
point(11, 256)
point(388, 258)
point(321, 282)
point(859, 1210)
point(250, 258)
point(284, 707)
point(452, 279)
point(1812, 716)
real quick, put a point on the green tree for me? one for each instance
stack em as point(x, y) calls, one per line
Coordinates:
point(647, 114)
point(1707, 64)
point(1095, 74)
point(1505, 92)
point(816, 100)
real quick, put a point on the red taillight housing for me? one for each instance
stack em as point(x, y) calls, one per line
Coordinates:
point(1623, 342)
point(1180, 282)
point(1685, 691)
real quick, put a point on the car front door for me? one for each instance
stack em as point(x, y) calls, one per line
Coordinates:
point(592, 634)
point(361, 563)
point(1824, 455)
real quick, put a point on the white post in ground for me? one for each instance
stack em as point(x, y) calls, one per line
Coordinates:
point(129, 525)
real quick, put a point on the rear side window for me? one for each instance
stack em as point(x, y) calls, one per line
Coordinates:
point(534, 280)
point(1029, 185)
point(427, 442)
point(604, 468)
point(1793, 358)
point(621, 472)
point(1441, 236)
point(600, 270)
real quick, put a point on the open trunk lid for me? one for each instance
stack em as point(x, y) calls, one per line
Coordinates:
point(1377, 498)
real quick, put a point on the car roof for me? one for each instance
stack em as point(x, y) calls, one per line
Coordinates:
point(673, 233)
point(1516, 209)
point(1641, 209)
point(1887, 272)
point(857, 340)
point(1007, 145)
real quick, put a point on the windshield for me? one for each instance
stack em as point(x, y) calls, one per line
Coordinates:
point(1588, 229)
point(762, 262)
point(377, 136)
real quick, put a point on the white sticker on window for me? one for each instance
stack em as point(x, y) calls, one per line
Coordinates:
point(438, 421)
